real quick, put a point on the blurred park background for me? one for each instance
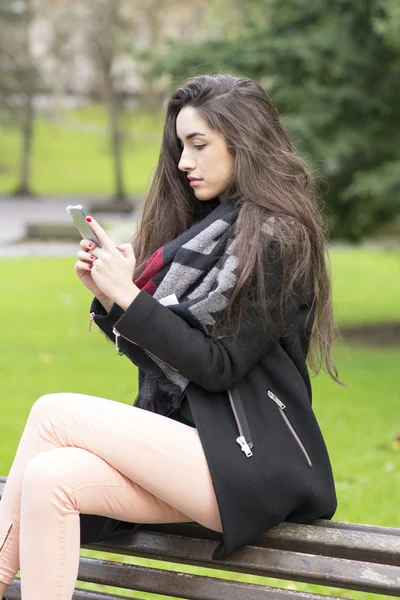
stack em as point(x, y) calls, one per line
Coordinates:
point(83, 87)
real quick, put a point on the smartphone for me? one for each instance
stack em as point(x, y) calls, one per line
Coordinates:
point(78, 215)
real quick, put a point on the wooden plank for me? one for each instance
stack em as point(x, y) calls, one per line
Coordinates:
point(193, 587)
point(357, 527)
point(183, 585)
point(89, 595)
point(377, 547)
point(14, 593)
point(256, 560)
point(380, 546)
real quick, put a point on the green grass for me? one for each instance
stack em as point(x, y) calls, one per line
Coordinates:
point(366, 285)
point(46, 348)
point(73, 157)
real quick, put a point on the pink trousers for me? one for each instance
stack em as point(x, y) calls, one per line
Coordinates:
point(90, 455)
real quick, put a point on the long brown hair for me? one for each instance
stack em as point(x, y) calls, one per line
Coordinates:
point(270, 179)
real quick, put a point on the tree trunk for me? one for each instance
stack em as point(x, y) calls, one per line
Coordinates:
point(116, 145)
point(23, 186)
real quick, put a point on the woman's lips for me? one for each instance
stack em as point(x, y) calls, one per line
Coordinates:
point(195, 182)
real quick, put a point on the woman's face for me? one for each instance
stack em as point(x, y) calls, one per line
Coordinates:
point(204, 155)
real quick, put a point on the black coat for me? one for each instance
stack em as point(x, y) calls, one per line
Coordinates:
point(283, 471)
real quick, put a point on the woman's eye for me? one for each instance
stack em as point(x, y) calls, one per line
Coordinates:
point(198, 147)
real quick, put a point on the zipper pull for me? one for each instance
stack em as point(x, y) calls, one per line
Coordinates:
point(116, 338)
point(91, 317)
point(276, 400)
point(241, 440)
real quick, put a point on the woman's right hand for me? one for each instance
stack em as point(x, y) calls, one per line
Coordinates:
point(82, 268)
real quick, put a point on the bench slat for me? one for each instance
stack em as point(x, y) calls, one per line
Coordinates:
point(89, 595)
point(255, 560)
point(357, 527)
point(193, 587)
point(196, 530)
point(14, 593)
point(336, 542)
point(381, 546)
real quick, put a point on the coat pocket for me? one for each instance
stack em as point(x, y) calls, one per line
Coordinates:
point(290, 426)
point(244, 439)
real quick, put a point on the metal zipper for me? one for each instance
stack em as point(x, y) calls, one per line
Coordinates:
point(91, 317)
point(241, 440)
point(117, 334)
point(282, 407)
point(6, 536)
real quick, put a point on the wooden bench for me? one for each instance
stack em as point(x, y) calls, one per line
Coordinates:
point(328, 553)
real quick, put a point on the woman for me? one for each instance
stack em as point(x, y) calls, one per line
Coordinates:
point(219, 300)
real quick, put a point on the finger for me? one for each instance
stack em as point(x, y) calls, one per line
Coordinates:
point(127, 249)
point(83, 265)
point(87, 245)
point(101, 234)
point(89, 256)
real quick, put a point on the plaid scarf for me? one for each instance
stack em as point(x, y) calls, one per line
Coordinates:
point(194, 275)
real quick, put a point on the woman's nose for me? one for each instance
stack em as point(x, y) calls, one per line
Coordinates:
point(186, 162)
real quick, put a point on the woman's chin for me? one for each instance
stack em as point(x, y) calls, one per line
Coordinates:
point(201, 195)
point(205, 196)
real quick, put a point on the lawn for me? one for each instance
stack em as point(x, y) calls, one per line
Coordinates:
point(46, 347)
point(366, 285)
point(71, 155)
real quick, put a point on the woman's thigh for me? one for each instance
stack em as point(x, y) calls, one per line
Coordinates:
point(78, 480)
point(161, 455)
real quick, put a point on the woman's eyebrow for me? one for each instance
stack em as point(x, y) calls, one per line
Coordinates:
point(191, 135)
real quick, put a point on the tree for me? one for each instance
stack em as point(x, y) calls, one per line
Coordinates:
point(106, 22)
point(63, 50)
point(121, 32)
point(333, 70)
point(156, 21)
point(19, 79)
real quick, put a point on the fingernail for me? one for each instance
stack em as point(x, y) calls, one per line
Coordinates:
point(92, 257)
point(90, 266)
point(90, 245)
point(88, 219)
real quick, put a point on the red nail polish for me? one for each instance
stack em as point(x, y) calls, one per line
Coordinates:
point(88, 219)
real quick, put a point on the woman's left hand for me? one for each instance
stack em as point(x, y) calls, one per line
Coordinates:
point(112, 270)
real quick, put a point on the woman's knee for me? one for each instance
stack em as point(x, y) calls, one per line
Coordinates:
point(50, 472)
point(49, 402)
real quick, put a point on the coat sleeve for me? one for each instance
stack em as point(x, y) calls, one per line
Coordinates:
point(106, 321)
point(213, 365)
